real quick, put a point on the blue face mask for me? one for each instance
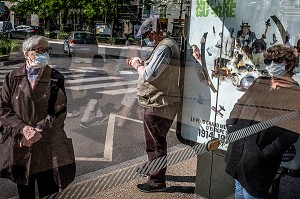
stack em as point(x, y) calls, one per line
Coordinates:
point(276, 69)
point(148, 42)
point(41, 60)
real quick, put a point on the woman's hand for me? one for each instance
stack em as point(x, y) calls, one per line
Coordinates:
point(25, 142)
point(31, 134)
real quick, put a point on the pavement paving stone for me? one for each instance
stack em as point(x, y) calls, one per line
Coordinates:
point(180, 182)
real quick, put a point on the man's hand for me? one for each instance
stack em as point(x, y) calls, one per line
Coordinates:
point(202, 40)
point(134, 61)
point(31, 134)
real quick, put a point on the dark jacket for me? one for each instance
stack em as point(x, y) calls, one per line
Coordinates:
point(254, 160)
point(19, 106)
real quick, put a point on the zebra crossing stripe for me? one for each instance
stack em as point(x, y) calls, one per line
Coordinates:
point(85, 70)
point(92, 79)
point(118, 91)
point(89, 69)
point(101, 85)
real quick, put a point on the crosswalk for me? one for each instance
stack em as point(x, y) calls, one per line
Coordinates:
point(85, 78)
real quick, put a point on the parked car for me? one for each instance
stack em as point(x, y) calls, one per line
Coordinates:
point(5, 27)
point(24, 31)
point(81, 44)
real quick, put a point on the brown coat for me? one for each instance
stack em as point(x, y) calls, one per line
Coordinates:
point(20, 106)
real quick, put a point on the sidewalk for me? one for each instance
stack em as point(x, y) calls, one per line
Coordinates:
point(104, 183)
point(120, 181)
point(181, 179)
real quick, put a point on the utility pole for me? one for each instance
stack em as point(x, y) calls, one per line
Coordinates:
point(143, 6)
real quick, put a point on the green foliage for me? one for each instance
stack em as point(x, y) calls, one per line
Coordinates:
point(147, 4)
point(102, 39)
point(119, 41)
point(5, 47)
point(15, 46)
point(99, 9)
point(134, 41)
point(62, 35)
point(50, 35)
point(53, 35)
point(62, 28)
point(116, 40)
point(9, 46)
point(92, 9)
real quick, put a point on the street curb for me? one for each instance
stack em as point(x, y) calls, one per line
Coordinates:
point(14, 58)
point(12, 62)
point(110, 46)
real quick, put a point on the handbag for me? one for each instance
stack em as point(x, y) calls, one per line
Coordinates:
point(63, 158)
point(6, 150)
point(14, 161)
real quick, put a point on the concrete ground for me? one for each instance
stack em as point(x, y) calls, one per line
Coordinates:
point(181, 179)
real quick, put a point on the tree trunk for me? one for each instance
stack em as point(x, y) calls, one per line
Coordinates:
point(112, 31)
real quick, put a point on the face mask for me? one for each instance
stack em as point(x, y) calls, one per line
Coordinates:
point(276, 69)
point(41, 60)
point(148, 42)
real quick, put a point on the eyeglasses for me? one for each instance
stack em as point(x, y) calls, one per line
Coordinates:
point(276, 60)
point(41, 50)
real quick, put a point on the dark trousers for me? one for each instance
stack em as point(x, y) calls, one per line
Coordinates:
point(45, 182)
point(157, 122)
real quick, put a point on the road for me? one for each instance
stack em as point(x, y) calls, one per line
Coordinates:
point(98, 147)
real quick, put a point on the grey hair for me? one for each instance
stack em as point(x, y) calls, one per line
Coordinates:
point(32, 41)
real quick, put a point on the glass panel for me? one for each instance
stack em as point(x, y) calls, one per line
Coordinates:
point(226, 75)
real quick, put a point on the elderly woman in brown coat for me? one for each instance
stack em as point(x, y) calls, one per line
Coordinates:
point(32, 114)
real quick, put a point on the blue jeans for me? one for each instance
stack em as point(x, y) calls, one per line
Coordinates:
point(241, 193)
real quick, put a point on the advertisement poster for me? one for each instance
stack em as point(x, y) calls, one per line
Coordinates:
point(102, 28)
point(231, 36)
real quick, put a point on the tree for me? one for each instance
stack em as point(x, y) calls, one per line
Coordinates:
point(100, 10)
point(45, 9)
point(49, 9)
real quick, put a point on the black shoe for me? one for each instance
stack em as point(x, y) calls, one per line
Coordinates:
point(149, 189)
point(103, 119)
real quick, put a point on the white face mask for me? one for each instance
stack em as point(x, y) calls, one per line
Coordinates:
point(148, 42)
point(41, 60)
point(276, 69)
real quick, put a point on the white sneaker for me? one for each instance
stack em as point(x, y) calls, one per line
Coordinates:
point(73, 114)
point(99, 113)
